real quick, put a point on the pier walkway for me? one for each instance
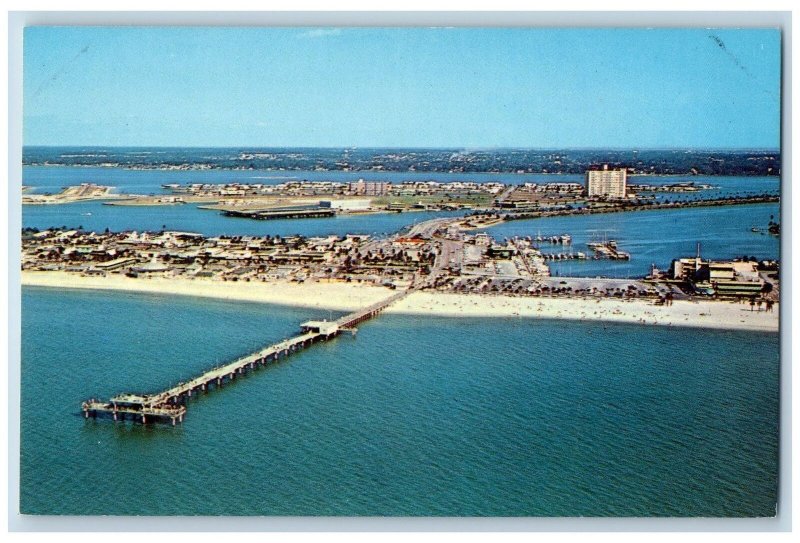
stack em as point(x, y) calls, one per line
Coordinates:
point(169, 405)
point(348, 321)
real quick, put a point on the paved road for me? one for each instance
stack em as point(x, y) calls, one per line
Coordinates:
point(448, 250)
point(428, 228)
point(505, 194)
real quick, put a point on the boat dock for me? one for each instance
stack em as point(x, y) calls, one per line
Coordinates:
point(563, 239)
point(169, 405)
point(565, 256)
point(286, 213)
point(608, 249)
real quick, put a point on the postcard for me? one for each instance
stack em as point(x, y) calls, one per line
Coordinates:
point(400, 271)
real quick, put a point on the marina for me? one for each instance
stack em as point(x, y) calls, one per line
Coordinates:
point(563, 239)
point(608, 249)
point(565, 256)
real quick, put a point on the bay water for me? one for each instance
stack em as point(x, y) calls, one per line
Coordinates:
point(651, 237)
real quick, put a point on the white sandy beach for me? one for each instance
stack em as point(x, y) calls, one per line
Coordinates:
point(349, 296)
point(703, 314)
point(334, 296)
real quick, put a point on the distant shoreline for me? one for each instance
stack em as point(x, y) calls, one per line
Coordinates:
point(204, 167)
point(455, 161)
point(349, 296)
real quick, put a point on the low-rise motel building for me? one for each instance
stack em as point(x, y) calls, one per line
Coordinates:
point(733, 278)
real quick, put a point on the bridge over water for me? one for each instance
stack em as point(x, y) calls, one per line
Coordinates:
point(170, 405)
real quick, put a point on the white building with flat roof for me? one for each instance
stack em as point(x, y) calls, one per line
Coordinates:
point(607, 183)
point(346, 205)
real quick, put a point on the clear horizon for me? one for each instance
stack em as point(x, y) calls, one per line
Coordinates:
point(403, 88)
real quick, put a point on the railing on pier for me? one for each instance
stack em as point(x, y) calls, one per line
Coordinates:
point(167, 406)
point(230, 370)
point(348, 321)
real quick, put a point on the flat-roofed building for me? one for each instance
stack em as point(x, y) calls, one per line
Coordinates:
point(721, 271)
point(736, 278)
point(115, 264)
point(346, 205)
point(720, 278)
point(689, 269)
point(607, 183)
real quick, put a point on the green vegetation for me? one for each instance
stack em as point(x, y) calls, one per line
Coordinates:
point(483, 199)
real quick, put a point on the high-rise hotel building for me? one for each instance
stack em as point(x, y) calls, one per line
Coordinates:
point(368, 188)
point(607, 183)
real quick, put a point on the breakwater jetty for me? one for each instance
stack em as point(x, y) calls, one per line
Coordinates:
point(170, 405)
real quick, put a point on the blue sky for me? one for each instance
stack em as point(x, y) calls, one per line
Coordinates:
point(402, 87)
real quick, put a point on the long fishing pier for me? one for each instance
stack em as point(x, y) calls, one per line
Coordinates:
point(170, 405)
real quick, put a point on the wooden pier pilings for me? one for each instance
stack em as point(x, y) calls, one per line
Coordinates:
point(170, 405)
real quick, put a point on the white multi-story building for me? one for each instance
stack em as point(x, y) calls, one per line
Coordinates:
point(607, 183)
point(369, 188)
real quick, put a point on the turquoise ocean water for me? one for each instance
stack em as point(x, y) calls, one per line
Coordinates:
point(431, 416)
